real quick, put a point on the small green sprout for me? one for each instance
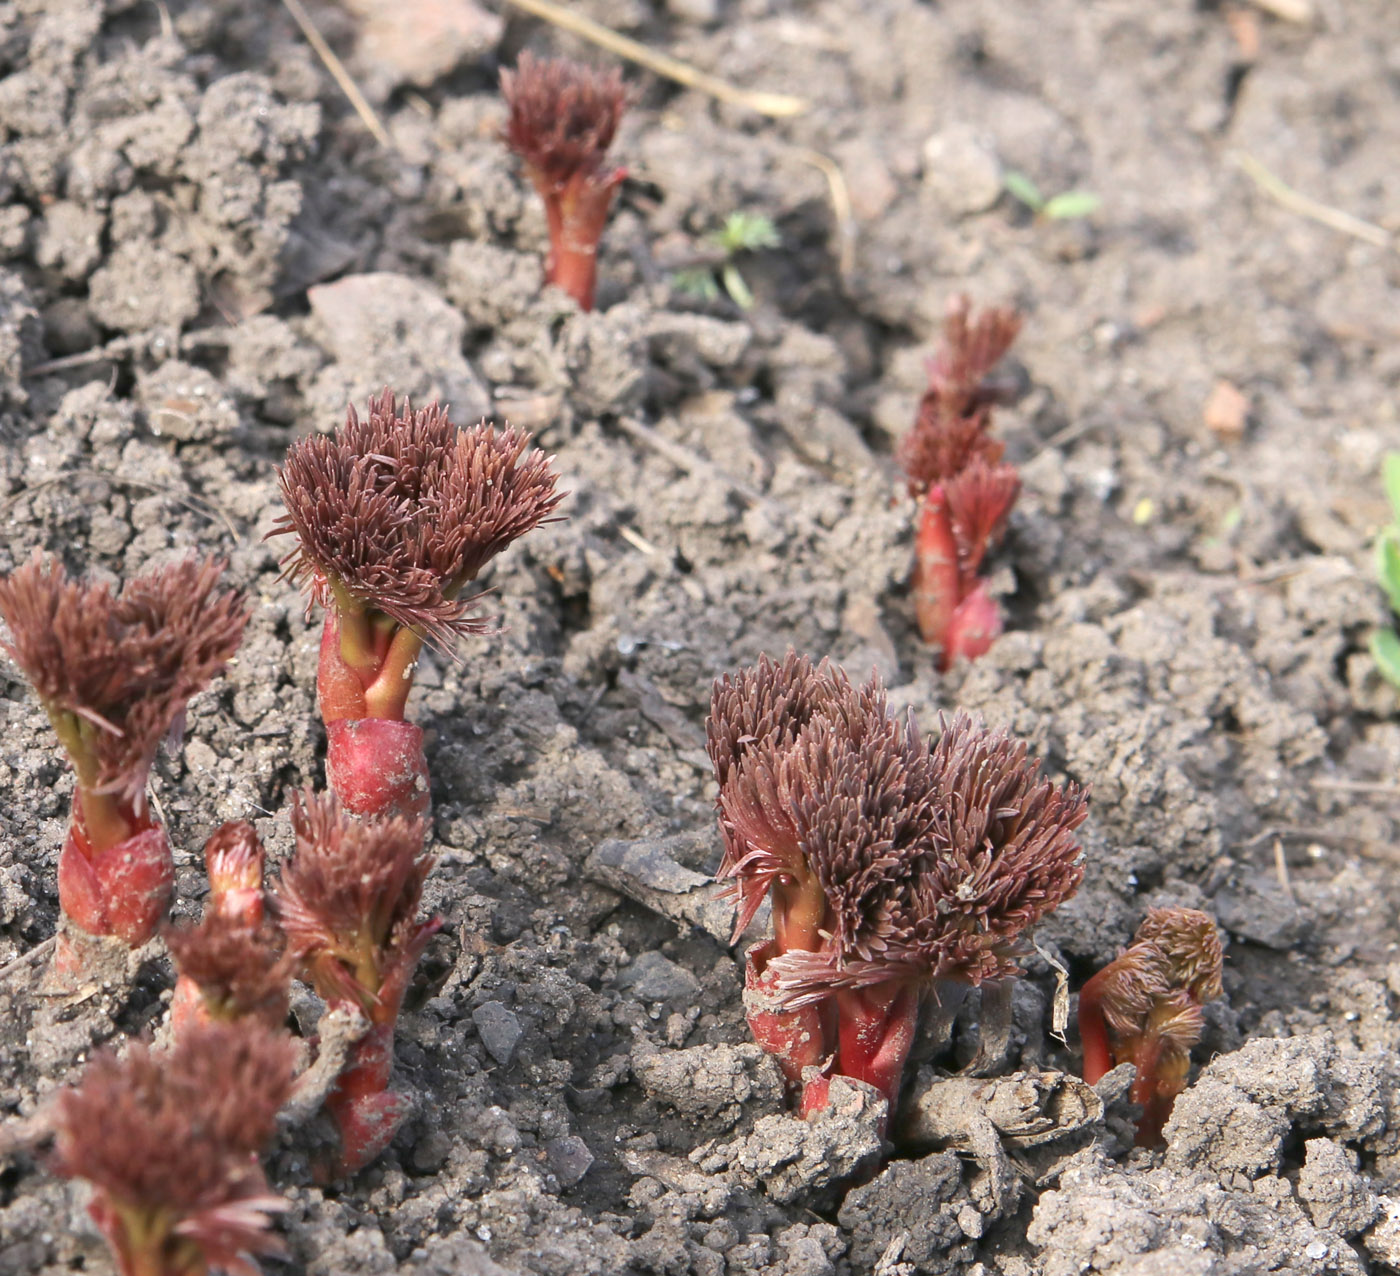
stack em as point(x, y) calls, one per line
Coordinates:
point(1385, 643)
point(1066, 206)
point(741, 233)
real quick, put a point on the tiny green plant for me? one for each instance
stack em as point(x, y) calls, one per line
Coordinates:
point(741, 233)
point(1064, 207)
point(1385, 643)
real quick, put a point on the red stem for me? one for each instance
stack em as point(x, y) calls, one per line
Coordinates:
point(936, 585)
point(876, 1030)
point(1093, 1030)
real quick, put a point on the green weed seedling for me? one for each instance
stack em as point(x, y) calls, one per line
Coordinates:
point(1064, 207)
point(741, 233)
point(1385, 643)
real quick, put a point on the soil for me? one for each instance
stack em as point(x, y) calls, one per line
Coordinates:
point(204, 254)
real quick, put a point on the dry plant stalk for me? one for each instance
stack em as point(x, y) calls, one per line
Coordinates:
point(394, 516)
point(114, 673)
point(563, 117)
point(170, 1141)
point(955, 470)
point(348, 904)
point(1145, 1009)
point(892, 867)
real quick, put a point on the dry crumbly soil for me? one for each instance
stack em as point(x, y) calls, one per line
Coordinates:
point(203, 255)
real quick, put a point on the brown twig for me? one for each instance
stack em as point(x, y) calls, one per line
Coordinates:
point(772, 104)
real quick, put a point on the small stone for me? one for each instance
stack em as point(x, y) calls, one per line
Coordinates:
point(499, 1030)
point(655, 977)
point(569, 1158)
point(1226, 412)
point(1316, 1250)
point(420, 43)
point(961, 172)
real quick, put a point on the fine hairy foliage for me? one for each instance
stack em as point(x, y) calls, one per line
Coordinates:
point(949, 433)
point(115, 671)
point(563, 116)
point(239, 969)
point(931, 862)
point(348, 903)
point(397, 511)
point(169, 1143)
point(1159, 984)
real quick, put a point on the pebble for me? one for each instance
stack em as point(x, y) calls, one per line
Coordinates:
point(499, 1030)
point(569, 1158)
point(655, 977)
point(960, 171)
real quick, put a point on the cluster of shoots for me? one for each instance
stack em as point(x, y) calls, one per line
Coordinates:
point(562, 119)
point(1145, 1009)
point(169, 1142)
point(394, 516)
point(899, 873)
point(965, 490)
point(348, 904)
point(231, 965)
point(114, 672)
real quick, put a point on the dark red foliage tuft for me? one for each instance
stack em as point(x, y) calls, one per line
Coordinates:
point(563, 116)
point(562, 120)
point(348, 903)
point(239, 970)
point(889, 865)
point(955, 468)
point(169, 1143)
point(397, 512)
point(115, 671)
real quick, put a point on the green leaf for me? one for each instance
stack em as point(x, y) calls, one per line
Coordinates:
point(1070, 205)
point(1388, 567)
point(698, 282)
point(748, 232)
point(1020, 187)
point(735, 286)
point(1390, 473)
point(1385, 649)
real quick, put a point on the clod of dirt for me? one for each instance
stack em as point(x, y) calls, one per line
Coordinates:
point(1234, 1120)
point(710, 1084)
point(386, 329)
point(794, 1159)
point(919, 1207)
point(1102, 1219)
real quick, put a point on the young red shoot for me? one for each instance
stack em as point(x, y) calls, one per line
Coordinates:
point(955, 470)
point(229, 970)
point(394, 516)
point(1145, 1009)
point(169, 1143)
point(891, 867)
point(233, 858)
point(114, 673)
point(563, 117)
point(348, 903)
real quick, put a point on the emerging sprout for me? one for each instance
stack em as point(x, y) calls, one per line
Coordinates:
point(891, 867)
point(233, 858)
point(169, 1143)
point(955, 468)
point(394, 516)
point(229, 970)
point(1145, 1009)
point(563, 117)
point(348, 904)
point(114, 673)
